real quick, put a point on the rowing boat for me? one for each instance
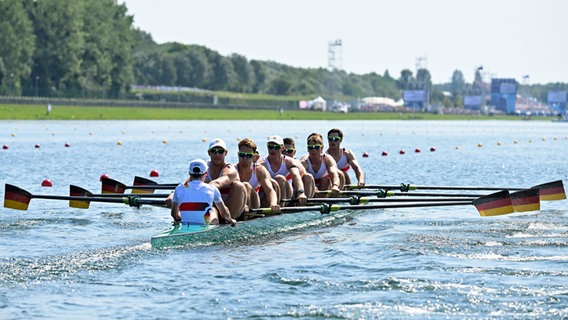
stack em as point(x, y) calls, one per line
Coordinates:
point(183, 235)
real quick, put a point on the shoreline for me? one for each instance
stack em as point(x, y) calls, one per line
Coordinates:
point(37, 112)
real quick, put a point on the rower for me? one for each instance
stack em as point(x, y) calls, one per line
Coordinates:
point(282, 168)
point(225, 177)
point(344, 158)
point(323, 168)
point(261, 189)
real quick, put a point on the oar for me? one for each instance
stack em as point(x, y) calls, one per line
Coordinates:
point(19, 199)
point(363, 200)
point(389, 193)
point(76, 191)
point(489, 205)
point(113, 186)
point(548, 191)
point(410, 187)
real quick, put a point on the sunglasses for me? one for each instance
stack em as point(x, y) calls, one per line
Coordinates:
point(217, 150)
point(247, 155)
point(289, 150)
point(334, 139)
point(314, 146)
point(274, 146)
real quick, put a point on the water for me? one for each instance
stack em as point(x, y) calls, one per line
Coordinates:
point(446, 262)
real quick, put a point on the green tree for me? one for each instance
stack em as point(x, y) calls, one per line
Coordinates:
point(16, 47)
point(107, 62)
point(244, 71)
point(59, 44)
point(406, 80)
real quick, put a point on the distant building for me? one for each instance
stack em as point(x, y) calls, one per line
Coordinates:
point(504, 94)
point(417, 99)
point(557, 102)
point(472, 102)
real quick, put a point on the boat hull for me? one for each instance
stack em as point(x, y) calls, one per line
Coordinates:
point(184, 235)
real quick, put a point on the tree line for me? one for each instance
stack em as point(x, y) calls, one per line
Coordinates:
point(90, 48)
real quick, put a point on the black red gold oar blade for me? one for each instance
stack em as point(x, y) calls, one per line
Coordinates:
point(140, 181)
point(112, 186)
point(494, 204)
point(75, 191)
point(526, 200)
point(551, 191)
point(16, 198)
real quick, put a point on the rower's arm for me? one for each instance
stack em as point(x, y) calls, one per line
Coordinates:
point(356, 168)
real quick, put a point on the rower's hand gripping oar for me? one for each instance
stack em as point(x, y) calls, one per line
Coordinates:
point(19, 199)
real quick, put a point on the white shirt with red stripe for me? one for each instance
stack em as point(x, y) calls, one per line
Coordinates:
point(195, 199)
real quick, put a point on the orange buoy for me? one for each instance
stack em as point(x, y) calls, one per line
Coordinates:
point(384, 154)
point(104, 176)
point(432, 149)
point(402, 152)
point(37, 146)
point(365, 155)
point(154, 173)
point(46, 183)
point(5, 147)
point(417, 150)
point(67, 145)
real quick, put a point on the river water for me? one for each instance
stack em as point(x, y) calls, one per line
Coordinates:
point(438, 262)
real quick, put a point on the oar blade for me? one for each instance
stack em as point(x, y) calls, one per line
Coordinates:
point(75, 191)
point(494, 204)
point(526, 200)
point(16, 198)
point(140, 181)
point(551, 191)
point(112, 186)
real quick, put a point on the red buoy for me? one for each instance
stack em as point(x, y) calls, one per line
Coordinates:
point(5, 147)
point(432, 149)
point(46, 183)
point(402, 152)
point(37, 146)
point(104, 176)
point(417, 150)
point(67, 145)
point(384, 154)
point(154, 173)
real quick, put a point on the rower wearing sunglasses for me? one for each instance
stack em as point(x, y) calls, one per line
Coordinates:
point(322, 167)
point(283, 168)
point(262, 191)
point(289, 150)
point(225, 177)
point(344, 158)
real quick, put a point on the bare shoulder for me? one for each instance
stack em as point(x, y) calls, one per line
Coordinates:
point(349, 154)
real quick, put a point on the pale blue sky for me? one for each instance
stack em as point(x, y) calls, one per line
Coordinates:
point(509, 38)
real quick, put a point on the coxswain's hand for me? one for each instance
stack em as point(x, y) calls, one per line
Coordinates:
point(233, 222)
point(361, 184)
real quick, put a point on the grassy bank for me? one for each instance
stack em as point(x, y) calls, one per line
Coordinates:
point(35, 112)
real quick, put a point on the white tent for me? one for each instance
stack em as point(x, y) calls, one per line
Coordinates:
point(318, 104)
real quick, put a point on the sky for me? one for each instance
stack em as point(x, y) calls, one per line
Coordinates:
point(522, 39)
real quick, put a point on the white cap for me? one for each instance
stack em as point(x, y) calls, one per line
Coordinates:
point(197, 166)
point(276, 139)
point(218, 143)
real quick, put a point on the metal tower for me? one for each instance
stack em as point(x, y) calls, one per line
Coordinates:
point(335, 53)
